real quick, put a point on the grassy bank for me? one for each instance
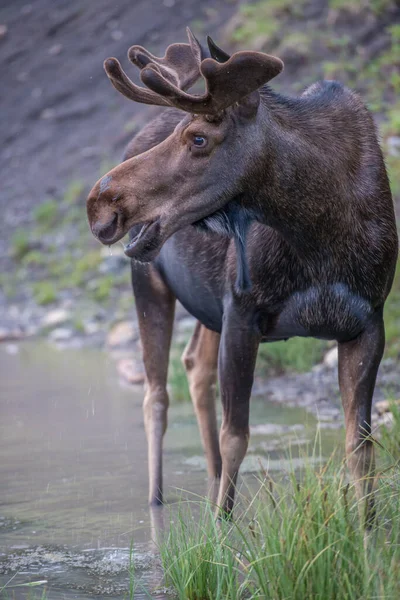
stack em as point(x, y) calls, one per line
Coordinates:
point(299, 538)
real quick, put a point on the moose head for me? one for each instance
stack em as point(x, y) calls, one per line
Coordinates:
point(207, 160)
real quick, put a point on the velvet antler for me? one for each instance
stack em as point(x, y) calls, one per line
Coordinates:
point(228, 79)
point(180, 65)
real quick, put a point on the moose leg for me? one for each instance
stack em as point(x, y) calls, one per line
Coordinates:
point(359, 360)
point(200, 359)
point(236, 362)
point(155, 306)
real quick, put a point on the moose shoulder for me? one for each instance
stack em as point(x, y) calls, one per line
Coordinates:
point(268, 217)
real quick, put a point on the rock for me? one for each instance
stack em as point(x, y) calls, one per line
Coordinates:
point(91, 327)
point(121, 334)
point(331, 358)
point(274, 429)
point(55, 49)
point(186, 324)
point(393, 145)
point(130, 372)
point(55, 317)
point(384, 406)
point(7, 335)
point(385, 420)
point(12, 349)
point(61, 334)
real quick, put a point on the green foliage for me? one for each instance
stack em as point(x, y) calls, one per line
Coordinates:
point(74, 192)
point(44, 292)
point(78, 325)
point(198, 561)
point(392, 122)
point(177, 379)
point(34, 258)
point(377, 7)
point(45, 214)
point(259, 22)
point(393, 165)
point(297, 354)
point(102, 288)
point(300, 538)
point(20, 243)
point(392, 318)
point(89, 262)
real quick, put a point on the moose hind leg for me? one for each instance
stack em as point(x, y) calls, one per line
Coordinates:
point(359, 361)
point(155, 306)
point(200, 359)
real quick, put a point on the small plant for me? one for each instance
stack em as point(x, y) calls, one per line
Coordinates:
point(20, 244)
point(102, 288)
point(34, 258)
point(46, 214)
point(392, 318)
point(198, 558)
point(297, 354)
point(44, 292)
point(177, 379)
point(73, 192)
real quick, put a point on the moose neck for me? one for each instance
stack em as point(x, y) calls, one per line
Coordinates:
point(296, 188)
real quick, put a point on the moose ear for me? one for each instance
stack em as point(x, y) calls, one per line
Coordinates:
point(216, 52)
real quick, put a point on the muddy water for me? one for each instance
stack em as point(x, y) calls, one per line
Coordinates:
point(73, 474)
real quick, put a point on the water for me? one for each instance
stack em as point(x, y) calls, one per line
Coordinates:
point(73, 471)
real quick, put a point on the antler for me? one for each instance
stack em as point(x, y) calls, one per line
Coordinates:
point(228, 79)
point(180, 65)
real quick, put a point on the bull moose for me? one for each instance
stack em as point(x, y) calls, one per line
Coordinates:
point(267, 217)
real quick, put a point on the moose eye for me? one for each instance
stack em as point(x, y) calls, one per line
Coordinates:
point(199, 141)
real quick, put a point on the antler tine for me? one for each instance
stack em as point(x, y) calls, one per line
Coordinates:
point(125, 86)
point(180, 65)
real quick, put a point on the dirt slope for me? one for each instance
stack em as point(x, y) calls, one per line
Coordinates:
point(60, 118)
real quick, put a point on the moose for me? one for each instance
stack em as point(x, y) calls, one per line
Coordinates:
point(267, 217)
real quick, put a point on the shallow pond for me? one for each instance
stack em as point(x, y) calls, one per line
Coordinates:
point(73, 471)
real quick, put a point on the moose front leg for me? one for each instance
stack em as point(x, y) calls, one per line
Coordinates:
point(359, 360)
point(236, 362)
point(155, 306)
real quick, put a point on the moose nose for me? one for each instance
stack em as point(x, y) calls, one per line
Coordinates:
point(105, 232)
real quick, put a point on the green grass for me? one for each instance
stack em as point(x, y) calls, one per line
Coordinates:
point(377, 7)
point(260, 22)
point(44, 292)
point(392, 318)
point(177, 381)
point(74, 192)
point(20, 244)
point(298, 539)
point(297, 354)
point(45, 214)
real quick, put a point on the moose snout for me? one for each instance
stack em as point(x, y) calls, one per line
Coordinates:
point(105, 231)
